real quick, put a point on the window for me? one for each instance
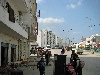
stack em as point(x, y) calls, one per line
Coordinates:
point(88, 41)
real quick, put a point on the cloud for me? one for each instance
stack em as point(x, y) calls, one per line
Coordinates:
point(74, 5)
point(39, 1)
point(79, 3)
point(50, 21)
point(71, 6)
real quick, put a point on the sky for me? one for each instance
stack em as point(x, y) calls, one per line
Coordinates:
point(71, 19)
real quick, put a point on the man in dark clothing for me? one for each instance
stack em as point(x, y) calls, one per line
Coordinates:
point(41, 66)
point(74, 58)
point(47, 57)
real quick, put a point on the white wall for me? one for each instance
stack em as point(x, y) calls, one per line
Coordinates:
point(4, 17)
point(39, 38)
point(7, 39)
point(44, 38)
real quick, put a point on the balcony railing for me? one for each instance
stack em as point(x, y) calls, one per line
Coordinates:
point(3, 3)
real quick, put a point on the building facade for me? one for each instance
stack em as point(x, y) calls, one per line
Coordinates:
point(39, 38)
point(59, 42)
point(91, 41)
point(45, 38)
point(17, 27)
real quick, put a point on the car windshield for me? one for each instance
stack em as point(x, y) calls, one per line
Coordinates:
point(48, 47)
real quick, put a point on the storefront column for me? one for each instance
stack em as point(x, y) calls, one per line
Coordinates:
point(9, 53)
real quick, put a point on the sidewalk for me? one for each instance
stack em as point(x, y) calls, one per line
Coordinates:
point(32, 68)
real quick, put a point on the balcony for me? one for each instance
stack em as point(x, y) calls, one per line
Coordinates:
point(22, 5)
point(32, 35)
point(11, 28)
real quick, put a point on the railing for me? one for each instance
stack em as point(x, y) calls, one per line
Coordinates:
point(4, 5)
point(21, 23)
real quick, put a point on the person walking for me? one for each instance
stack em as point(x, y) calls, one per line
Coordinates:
point(62, 52)
point(47, 56)
point(41, 66)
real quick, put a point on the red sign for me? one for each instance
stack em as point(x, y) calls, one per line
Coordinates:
point(36, 28)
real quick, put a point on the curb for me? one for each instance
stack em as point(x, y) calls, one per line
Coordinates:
point(97, 53)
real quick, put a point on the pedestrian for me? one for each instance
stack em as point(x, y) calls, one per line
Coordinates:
point(63, 49)
point(62, 52)
point(41, 66)
point(74, 58)
point(47, 56)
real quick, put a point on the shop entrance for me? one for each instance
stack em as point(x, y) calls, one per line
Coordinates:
point(4, 53)
point(13, 53)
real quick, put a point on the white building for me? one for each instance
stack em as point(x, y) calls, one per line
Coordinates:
point(51, 39)
point(91, 41)
point(44, 37)
point(17, 26)
point(39, 38)
point(59, 41)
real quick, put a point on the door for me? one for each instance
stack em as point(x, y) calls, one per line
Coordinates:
point(4, 53)
point(13, 53)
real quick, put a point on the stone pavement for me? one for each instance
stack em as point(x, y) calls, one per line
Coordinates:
point(32, 68)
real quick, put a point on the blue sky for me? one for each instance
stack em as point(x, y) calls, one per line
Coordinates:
point(78, 15)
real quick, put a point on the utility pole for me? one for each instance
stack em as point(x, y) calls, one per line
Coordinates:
point(69, 42)
point(65, 41)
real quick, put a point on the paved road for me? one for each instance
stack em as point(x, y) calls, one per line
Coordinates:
point(92, 64)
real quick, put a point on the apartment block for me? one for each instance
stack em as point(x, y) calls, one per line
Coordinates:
point(59, 41)
point(18, 24)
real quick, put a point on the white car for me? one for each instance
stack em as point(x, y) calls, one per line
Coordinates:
point(48, 47)
point(79, 51)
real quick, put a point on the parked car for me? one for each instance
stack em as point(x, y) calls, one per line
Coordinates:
point(98, 50)
point(92, 51)
point(79, 51)
point(48, 47)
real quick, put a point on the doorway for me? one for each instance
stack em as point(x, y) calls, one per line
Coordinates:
point(13, 53)
point(4, 53)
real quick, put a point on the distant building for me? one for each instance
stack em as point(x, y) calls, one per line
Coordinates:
point(91, 41)
point(59, 41)
point(39, 38)
point(46, 37)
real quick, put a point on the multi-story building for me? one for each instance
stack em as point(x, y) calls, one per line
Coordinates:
point(45, 38)
point(59, 41)
point(95, 38)
point(51, 39)
point(17, 27)
point(91, 41)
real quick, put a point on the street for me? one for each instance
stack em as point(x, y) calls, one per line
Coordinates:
point(91, 64)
